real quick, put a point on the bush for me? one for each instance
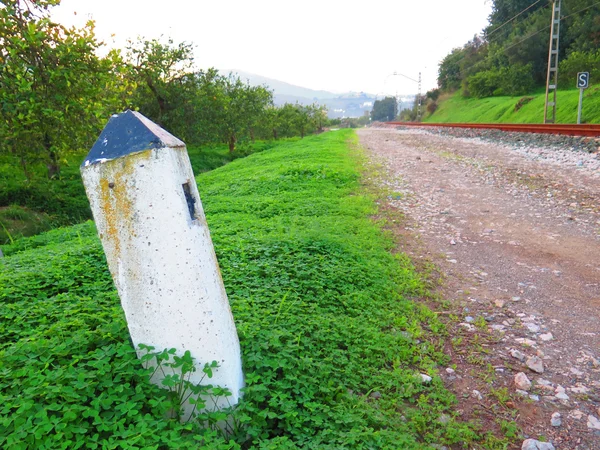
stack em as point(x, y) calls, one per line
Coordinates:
point(579, 62)
point(517, 79)
point(512, 80)
point(433, 94)
point(431, 107)
point(483, 84)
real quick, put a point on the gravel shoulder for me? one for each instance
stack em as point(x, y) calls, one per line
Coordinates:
point(514, 230)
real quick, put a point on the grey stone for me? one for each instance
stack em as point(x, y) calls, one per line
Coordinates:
point(532, 444)
point(593, 423)
point(556, 420)
point(467, 326)
point(522, 382)
point(535, 363)
point(576, 414)
point(444, 419)
point(425, 378)
point(518, 354)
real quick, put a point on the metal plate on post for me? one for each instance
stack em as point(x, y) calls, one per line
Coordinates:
point(583, 80)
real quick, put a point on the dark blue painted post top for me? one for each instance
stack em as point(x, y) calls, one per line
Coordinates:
point(127, 133)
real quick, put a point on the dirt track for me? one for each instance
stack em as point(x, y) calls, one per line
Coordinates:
point(519, 243)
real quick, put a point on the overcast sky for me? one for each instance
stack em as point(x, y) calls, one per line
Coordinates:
point(326, 44)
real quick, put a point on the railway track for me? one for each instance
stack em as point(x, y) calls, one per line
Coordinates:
point(566, 129)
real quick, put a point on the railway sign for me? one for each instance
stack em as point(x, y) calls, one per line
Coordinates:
point(583, 80)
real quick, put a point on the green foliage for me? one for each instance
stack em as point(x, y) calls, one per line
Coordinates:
point(206, 107)
point(175, 374)
point(516, 80)
point(517, 37)
point(323, 310)
point(52, 86)
point(505, 10)
point(56, 93)
point(16, 222)
point(579, 62)
point(433, 94)
point(160, 73)
point(460, 63)
point(384, 110)
point(295, 120)
point(511, 80)
point(243, 107)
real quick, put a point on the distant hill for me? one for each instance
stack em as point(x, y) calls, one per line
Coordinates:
point(350, 104)
point(283, 88)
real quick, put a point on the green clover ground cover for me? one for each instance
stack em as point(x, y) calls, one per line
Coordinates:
point(332, 341)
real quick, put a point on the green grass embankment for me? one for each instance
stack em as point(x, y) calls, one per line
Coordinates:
point(522, 109)
point(332, 341)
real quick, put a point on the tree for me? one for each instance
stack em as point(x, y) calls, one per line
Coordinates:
point(384, 110)
point(515, 47)
point(460, 63)
point(505, 10)
point(162, 72)
point(52, 85)
point(286, 121)
point(242, 107)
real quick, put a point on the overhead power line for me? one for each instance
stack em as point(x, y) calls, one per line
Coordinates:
point(547, 27)
point(512, 18)
point(527, 38)
point(581, 10)
point(496, 29)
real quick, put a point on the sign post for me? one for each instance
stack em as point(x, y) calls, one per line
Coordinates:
point(583, 81)
point(148, 213)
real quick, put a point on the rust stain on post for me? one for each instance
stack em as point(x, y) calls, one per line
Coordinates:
point(114, 196)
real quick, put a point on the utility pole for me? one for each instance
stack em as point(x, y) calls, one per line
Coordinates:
point(552, 78)
point(418, 95)
point(419, 101)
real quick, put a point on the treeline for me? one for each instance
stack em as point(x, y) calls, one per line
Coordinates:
point(511, 57)
point(56, 93)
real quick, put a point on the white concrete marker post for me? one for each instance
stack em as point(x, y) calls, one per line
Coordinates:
point(148, 213)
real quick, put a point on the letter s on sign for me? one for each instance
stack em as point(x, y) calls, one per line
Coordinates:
point(583, 80)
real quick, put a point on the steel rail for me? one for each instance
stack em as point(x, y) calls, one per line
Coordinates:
point(550, 128)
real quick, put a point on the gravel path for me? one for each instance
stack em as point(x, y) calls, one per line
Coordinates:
point(515, 228)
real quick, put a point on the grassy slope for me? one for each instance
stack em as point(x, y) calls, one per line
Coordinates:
point(456, 108)
point(323, 311)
